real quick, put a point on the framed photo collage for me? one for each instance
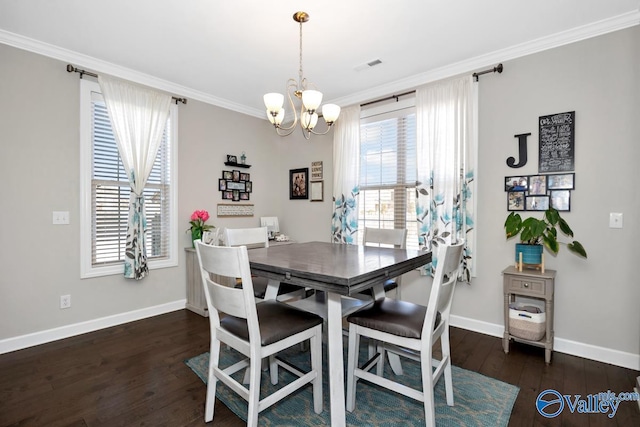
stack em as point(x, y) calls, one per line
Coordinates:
point(539, 192)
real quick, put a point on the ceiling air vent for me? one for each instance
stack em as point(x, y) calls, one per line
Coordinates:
point(368, 65)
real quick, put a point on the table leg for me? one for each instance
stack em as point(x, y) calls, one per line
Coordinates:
point(335, 362)
point(271, 293)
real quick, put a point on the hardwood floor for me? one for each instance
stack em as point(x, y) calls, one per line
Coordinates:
point(134, 374)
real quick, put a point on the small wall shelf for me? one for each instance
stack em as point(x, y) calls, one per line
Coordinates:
point(240, 165)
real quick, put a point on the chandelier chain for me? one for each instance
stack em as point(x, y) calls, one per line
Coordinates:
point(300, 74)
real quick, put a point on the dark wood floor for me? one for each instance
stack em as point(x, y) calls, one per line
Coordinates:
point(134, 375)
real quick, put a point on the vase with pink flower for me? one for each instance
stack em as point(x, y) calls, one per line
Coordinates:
point(198, 226)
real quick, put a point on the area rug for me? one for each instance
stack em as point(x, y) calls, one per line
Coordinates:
point(479, 400)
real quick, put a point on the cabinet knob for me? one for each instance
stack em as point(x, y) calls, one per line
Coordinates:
point(526, 285)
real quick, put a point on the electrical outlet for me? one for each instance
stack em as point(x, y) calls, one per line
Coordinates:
point(65, 301)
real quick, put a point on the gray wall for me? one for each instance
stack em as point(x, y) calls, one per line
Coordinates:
point(39, 166)
point(596, 299)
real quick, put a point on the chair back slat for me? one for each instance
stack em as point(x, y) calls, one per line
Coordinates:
point(219, 262)
point(256, 237)
point(444, 282)
point(385, 236)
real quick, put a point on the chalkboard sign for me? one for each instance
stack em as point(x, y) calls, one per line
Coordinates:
point(557, 140)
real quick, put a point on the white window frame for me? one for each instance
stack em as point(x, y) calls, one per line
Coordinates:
point(87, 270)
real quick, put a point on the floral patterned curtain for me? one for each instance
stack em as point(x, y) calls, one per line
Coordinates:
point(446, 126)
point(138, 117)
point(346, 169)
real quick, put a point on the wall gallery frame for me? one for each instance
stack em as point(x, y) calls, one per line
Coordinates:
point(299, 183)
point(539, 192)
point(317, 191)
point(235, 185)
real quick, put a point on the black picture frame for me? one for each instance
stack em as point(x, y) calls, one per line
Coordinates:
point(516, 183)
point(536, 203)
point(561, 181)
point(232, 159)
point(561, 200)
point(515, 201)
point(537, 185)
point(234, 184)
point(299, 184)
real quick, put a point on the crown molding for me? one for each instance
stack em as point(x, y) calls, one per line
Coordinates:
point(595, 29)
point(584, 32)
point(98, 66)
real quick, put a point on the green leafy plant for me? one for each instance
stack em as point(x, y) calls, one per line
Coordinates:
point(534, 231)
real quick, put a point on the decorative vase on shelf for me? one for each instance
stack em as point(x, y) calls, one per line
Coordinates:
point(196, 233)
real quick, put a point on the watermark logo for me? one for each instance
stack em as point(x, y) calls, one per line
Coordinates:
point(550, 403)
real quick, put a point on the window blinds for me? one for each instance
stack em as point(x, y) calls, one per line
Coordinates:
point(388, 172)
point(110, 195)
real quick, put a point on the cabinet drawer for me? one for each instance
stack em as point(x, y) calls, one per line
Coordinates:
point(518, 284)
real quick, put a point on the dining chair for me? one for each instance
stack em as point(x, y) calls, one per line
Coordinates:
point(409, 330)
point(256, 330)
point(392, 237)
point(258, 237)
point(386, 237)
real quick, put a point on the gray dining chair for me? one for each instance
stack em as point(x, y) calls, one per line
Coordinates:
point(256, 330)
point(409, 330)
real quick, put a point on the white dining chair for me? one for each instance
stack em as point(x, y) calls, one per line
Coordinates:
point(387, 237)
point(256, 330)
point(258, 237)
point(409, 330)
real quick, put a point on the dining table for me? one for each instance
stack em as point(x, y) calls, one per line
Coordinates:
point(340, 270)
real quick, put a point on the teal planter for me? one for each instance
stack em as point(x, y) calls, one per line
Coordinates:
point(531, 254)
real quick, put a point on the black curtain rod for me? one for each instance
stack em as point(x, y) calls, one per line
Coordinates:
point(72, 69)
point(497, 69)
point(396, 97)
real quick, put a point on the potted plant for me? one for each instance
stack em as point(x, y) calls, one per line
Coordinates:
point(198, 226)
point(534, 233)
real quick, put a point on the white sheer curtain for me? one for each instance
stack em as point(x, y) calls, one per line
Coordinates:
point(446, 126)
point(138, 118)
point(346, 169)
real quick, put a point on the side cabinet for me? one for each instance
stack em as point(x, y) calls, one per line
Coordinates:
point(530, 284)
point(196, 301)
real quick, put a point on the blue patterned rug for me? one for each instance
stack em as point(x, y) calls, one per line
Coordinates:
point(479, 400)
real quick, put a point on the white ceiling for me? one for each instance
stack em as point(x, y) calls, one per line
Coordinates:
point(230, 53)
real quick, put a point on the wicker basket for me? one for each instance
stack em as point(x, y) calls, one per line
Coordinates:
point(527, 322)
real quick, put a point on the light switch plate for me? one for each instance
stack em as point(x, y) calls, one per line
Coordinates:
point(60, 217)
point(615, 220)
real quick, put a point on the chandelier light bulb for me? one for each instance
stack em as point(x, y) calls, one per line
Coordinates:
point(277, 119)
point(311, 99)
point(330, 112)
point(309, 121)
point(273, 101)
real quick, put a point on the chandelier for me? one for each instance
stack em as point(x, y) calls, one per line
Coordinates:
point(309, 99)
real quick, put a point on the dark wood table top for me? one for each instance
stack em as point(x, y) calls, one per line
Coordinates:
point(339, 268)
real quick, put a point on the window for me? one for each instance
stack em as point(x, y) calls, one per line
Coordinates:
point(388, 172)
point(105, 193)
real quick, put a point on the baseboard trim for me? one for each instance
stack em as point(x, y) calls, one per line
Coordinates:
point(587, 351)
point(49, 335)
point(574, 348)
